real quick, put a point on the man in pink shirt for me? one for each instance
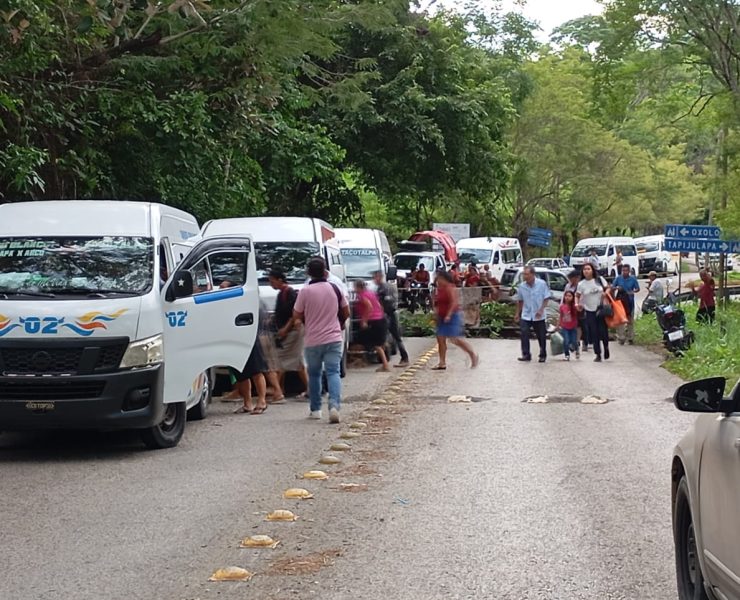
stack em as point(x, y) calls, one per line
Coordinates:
point(323, 309)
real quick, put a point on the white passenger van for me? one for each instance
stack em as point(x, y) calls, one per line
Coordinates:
point(365, 251)
point(652, 256)
point(286, 243)
point(100, 328)
point(498, 253)
point(606, 251)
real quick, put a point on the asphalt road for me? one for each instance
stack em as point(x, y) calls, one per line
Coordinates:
point(497, 498)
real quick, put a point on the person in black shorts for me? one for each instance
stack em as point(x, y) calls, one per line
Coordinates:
point(253, 371)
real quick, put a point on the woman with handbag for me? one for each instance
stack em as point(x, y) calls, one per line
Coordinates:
point(591, 298)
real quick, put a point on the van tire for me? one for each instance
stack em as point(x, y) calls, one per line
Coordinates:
point(168, 432)
point(199, 411)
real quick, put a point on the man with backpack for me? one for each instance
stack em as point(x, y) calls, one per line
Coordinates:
point(323, 310)
point(389, 302)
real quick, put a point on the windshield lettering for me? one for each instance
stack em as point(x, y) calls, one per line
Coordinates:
point(73, 266)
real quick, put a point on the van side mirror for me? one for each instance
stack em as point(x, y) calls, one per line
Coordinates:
point(703, 396)
point(391, 273)
point(181, 286)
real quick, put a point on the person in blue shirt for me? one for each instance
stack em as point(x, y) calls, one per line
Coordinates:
point(624, 288)
point(532, 297)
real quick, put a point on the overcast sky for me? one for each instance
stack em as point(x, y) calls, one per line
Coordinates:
point(548, 13)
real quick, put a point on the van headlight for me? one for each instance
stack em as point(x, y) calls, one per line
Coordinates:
point(143, 353)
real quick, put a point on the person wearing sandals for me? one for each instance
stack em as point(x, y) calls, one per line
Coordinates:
point(253, 371)
point(373, 326)
point(450, 324)
point(288, 337)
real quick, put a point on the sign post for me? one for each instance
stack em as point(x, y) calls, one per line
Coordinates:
point(700, 238)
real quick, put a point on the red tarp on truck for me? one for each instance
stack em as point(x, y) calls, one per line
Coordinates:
point(444, 239)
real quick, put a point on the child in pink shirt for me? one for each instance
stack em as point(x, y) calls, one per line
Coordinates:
point(569, 324)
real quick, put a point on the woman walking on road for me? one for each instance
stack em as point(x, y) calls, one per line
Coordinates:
point(449, 321)
point(373, 326)
point(589, 297)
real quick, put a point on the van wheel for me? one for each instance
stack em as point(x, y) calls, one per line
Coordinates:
point(198, 412)
point(168, 432)
point(688, 568)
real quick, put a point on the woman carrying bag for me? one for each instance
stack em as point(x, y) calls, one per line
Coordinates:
point(591, 297)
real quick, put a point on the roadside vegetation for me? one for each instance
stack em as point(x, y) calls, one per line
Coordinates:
point(494, 317)
point(378, 114)
point(715, 352)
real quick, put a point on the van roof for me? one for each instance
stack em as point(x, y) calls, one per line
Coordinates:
point(272, 229)
point(486, 242)
point(649, 238)
point(81, 217)
point(356, 238)
point(603, 240)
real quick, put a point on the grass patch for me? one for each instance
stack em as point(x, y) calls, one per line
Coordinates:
point(733, 277)
point(715, 352)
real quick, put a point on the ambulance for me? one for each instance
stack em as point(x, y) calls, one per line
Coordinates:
point(496, 252)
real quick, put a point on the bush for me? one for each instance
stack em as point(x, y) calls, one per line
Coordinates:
point(495, 316)
point(715, 352)
point(418, 324)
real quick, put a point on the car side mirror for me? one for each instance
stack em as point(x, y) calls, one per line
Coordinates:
point(703, 396)
point(181, 286)
point(391, 273)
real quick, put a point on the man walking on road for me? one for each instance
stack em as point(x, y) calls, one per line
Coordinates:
point(532, 297)
point(389, 302)
point(323, 309)
point(625, 287)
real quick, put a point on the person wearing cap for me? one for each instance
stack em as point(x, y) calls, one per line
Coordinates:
point(655, 288)
point(289, 336)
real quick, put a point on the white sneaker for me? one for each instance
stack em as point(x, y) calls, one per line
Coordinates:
point(315, 414)
point(333, 415)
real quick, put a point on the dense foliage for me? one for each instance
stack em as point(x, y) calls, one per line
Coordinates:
point(716, 351)
point(376, 113)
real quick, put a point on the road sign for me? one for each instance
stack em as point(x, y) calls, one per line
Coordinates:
point(539, 232)
point(457, 231)
point(539, 237)
point(700, 232)
point(711, 246)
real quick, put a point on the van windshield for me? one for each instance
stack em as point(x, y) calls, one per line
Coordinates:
point(585, 250)
point(289, 257)
point(51, 266)
point(361, 263)
point(407, 262)
point(648, 247)
point(474, 255)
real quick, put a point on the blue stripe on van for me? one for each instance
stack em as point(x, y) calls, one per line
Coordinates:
point(217, 295)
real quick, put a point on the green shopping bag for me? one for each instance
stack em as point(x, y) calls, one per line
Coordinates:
point(557, 344)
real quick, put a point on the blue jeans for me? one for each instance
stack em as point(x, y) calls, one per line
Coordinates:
point(324, 357)
point(570, 340)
